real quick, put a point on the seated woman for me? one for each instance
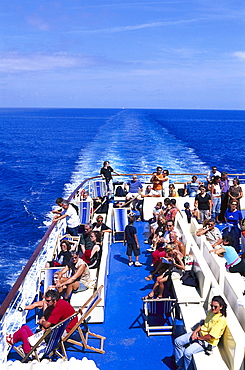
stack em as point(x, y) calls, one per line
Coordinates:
point(204, 336)
point(172, 192)
point(100, 226)
point(174, 259)
point(167, 210)
point(157, 210)
point(234, 263)
point(191, 187)
point(63, 257)
point(92, 256)
point(157, 231)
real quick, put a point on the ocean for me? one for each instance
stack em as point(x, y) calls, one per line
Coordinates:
point(46, 153)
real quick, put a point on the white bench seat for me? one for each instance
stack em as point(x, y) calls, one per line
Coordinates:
point(185, 293)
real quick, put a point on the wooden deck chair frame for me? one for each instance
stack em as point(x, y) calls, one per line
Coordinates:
point(150, 308)
point(53, 344)
point(84, 333)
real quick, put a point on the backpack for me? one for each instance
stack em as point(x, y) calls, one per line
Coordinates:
point(75, 207)
point(120, 192)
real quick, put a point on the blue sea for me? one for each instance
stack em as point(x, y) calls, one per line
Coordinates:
point(45, 153)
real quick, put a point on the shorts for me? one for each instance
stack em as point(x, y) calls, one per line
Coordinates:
point(132, 248)
point(81, 288)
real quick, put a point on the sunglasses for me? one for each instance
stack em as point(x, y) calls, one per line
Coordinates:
point(48, 300)
point(213, 306)
point(74, 258)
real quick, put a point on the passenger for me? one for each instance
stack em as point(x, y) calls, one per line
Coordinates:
point(63, 257)
point(157, 180)
point(172, 192)
point(71, 216)
point(85, 241)
point(203, 203)
point(203, 337)
point(165, 184)
point(234, 263)
point(189, 213)
point(235, 192)
point(216, 197)
point(157, 232)
point(93, 256)
point(131, 239)
point(59, 202)
point(167, 209)
point(100, 226)
point(192, 187)
point(233, 217)
point(174, 259)
point(80, 277)
point(212, 173)
point(224, 185)
point(60, 310)
point(85, 196)
point(149, 192)
point(176, 243)
point(106, 172)
point(174, 210)
point(134, 186)
point(212, 233)
point(157, 210)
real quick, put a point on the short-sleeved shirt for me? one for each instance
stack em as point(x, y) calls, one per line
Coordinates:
point(130, 232)
point(203, 202)
point(214, 325)
point(72, 218)
point(134, 186)
point(86, 241)
point(106, 172)
point(102, 227)
point(157, 184)
point(60, 312)
point(231, 255)
point(233, 217)
point(213, 235)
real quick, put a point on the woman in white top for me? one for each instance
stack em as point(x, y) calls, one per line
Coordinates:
point(216, 197)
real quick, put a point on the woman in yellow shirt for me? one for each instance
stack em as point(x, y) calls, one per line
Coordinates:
point(205, 337)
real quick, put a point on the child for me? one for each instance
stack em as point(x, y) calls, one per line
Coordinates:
point(189, 213)
point(132, 242)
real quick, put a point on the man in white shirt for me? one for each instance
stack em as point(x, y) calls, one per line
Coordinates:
point(72, 218)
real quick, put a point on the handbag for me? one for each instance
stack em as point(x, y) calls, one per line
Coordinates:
point(189, 278)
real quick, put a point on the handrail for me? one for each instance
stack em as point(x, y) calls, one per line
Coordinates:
point(17, 284)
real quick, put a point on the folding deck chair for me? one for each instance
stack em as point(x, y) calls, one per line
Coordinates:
point(84, 333)
point(53, 343)
point(85, 209)
point(120, 222)
point(99, 188)
point(158, 313)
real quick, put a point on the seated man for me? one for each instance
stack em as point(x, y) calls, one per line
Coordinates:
point(59, 310)
point(79, 280)
point(85, 241)
point(212, 233)
point(149, 192)
point(192, 187)
point(134, 186)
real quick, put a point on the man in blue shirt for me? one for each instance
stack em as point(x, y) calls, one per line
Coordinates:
point(134, 186)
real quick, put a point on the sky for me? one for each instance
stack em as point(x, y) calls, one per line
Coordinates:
point(122, 53)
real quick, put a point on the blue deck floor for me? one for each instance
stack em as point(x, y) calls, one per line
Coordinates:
point(127, 345)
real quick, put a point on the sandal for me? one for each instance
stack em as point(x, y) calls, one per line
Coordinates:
point(148, 278)
point(10, 339)
point(147, 297)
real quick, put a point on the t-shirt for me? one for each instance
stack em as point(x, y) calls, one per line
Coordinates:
point(86, 241)
point(72, 218)
point(134, 186)
point(203, 202)
point(60, 312)
point(213, 235)
point(230, 255)
point(214, 325)
point(101, 227)
point(130, 232)
point(233, 217)
point(157, 184)
point(106, 172)
point(85, 277)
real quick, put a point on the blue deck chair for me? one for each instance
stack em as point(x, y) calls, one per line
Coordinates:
point(53, 343)
point(82, 327)
point(159, 316)
point(99, 188)
point(85, 212)
point(120, 222)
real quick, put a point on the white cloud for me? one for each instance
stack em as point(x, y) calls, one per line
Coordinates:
point(240, 54)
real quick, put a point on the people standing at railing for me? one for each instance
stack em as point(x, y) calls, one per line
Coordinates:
point(224, 185)
point(212, 233)
point(205, 337)
point(71, 216)
point(160, 181)
point(233, 217)
point(130, 237)
point(212, 173)
point(234, 263)
point(106, 172)
point(235, 192)
point(216, 197)
point(203, 203)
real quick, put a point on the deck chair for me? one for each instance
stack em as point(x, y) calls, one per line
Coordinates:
point(120, 222)
point(53, 343)
point(82, 327)
point(159, 316)
point(85, 209)
point(99, 188)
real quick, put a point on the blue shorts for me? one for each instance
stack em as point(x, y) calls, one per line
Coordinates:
point(81, 288)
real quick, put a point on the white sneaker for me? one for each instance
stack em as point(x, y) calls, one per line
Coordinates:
point(137, 263)
point(130, 263)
